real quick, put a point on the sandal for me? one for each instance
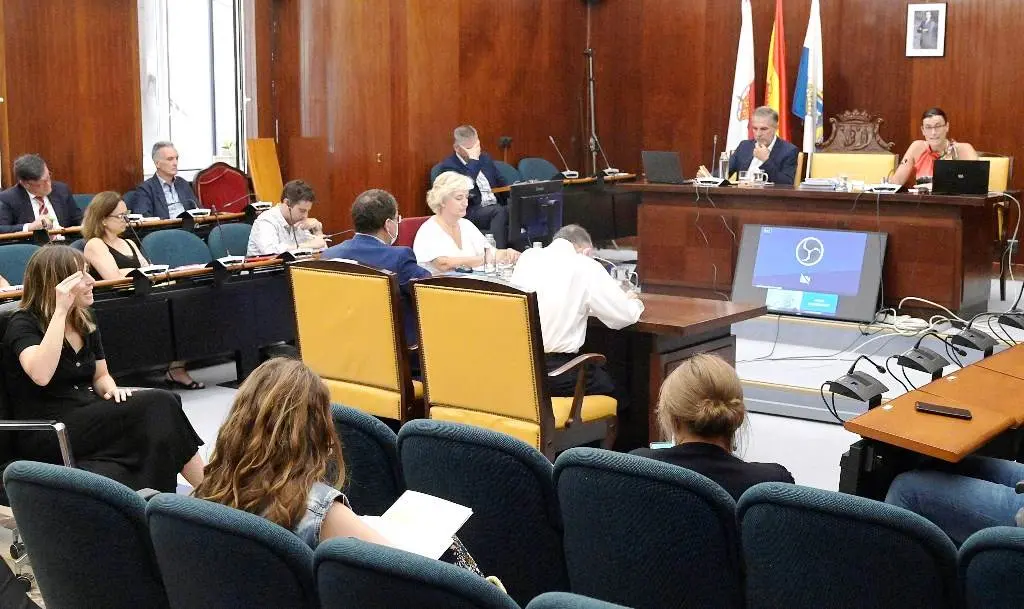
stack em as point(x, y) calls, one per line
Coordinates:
point(174, 383)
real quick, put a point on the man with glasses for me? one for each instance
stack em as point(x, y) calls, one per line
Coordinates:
point(165, 195)
point(376, 219)
point(919, 161)
point(36, 201)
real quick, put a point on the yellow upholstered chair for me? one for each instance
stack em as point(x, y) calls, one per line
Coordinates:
point(868, 167)
point(348, 319)
point(264, 168)
point(799, 177)
point(483, 365)
point(1000, 170)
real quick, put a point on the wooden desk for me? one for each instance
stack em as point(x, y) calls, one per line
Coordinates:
point(1009, 362)
point(980, 386)
point(74, 232)
point(671, 330)
point(896, 437)
point(939, 248)
point(897, 423)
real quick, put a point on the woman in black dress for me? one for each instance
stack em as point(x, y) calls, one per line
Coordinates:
point(111, 257)
point(55, 368)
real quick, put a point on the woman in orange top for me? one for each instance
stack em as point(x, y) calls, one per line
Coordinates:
point(919, 161)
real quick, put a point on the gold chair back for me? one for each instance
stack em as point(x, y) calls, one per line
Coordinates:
point(866, 167)
point(1000, 171)
point(349, 326)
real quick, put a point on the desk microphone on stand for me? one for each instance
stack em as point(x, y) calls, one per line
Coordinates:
point(568, 173)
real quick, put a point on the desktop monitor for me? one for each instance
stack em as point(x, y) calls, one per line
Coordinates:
point(810, 272)
point(534, 208)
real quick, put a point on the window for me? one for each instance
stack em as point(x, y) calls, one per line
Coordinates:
point(190, 80)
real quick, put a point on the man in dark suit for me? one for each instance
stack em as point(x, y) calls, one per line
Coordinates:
point(36, 201)
point(486, 210)
point(767, 151)
point(165, 195)
point(376, 219)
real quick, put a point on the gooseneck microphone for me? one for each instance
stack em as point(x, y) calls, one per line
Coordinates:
point(216, 221)
point(714, 156)
point(880, 369)
point(944, 339)
point(608, 169)
point(568, 173)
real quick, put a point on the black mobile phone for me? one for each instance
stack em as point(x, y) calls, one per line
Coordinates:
point(946, 411)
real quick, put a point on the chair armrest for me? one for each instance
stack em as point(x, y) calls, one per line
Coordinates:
point(63, 442)
point(1020, 488)
point(580, 363)
point(147, 493)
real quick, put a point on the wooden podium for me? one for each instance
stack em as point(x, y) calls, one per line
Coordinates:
point(939, 247)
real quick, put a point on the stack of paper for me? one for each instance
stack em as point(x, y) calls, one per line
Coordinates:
point(421, 523)
point(819, 184)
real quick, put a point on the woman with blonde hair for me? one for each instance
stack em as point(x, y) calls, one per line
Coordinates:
point(700, 408)
point(110, 256)
point(448, 240)
point(278, 456)
point(56, 368)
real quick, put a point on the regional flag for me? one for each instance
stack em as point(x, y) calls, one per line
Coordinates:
point(776, 96)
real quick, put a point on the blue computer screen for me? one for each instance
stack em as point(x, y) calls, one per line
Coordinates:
point(817, 263)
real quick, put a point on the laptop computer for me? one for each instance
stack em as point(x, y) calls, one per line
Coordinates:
point(960, 178)
point(663, 167)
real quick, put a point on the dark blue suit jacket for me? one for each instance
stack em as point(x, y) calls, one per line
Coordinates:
point(780, 166)
point(368, 250)
point(16, 208)
point(150, 201)
point(472, 169)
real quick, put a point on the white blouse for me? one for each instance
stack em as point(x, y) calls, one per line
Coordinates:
point(432, 242)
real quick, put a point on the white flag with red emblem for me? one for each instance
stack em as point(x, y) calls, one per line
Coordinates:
point(742, 105)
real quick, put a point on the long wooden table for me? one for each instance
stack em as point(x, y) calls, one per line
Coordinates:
point(939, 247)
point(671, 329)
point(897, 437)
point(73, 232)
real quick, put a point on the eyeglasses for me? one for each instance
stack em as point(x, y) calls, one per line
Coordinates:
point(933, 127)
point(122, 216)
point(398, 221)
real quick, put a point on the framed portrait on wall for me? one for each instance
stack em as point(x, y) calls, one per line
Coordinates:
point(926, 29)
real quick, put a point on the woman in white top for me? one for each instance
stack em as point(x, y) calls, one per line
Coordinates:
point(449, 240)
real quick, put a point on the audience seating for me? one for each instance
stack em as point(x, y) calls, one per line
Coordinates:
point(229, 239)
point(483, 365)
point(991, 564)
point(83, 201)
point(88, 537)
point(807, 547)
point(566, 600)
point(213, 556)
point(508, 173)
point(223, 187)
point(434, 172)
point(78, 244)
point(353, 573)
point(867, 167)
point(536, 168)
point(408, 228)
point(175, 247)
point(373, 481)
point(129, 198)
point(357, 344)
point(13, 258)
point(1000, 170)
point(648, 534)
point(515, 531)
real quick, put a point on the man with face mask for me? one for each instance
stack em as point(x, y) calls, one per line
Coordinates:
point(376, 219)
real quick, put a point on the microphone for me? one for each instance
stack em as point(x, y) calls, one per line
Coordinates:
point(608, 171)
point(135, 235)
point(216, 220)
point(944, 339)
point(568, 173)
point(714, 155)
point(341, 232)
point(880, 369)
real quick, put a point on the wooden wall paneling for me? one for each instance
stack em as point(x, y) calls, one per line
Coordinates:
point(5, 140)
point(73, 94)
point(263, 48)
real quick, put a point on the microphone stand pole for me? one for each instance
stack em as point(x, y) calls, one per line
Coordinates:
point(589, 54)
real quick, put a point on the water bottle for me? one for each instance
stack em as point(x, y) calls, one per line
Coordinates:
point(490, 252)
point(723, 166)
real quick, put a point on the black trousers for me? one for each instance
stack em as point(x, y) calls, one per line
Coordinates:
point(599, 382)
point(491, 219)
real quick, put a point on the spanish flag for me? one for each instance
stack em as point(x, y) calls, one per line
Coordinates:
point(775, 83)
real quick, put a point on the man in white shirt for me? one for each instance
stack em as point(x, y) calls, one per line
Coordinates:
point(287, 226)
point(570, 287)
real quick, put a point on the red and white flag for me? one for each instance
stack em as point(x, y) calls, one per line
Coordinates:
point(742, 104)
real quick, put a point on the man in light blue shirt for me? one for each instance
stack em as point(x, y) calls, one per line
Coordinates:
point(165, 195)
